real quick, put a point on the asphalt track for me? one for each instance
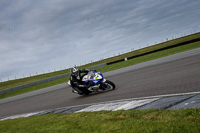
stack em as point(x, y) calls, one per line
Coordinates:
point(167, 77)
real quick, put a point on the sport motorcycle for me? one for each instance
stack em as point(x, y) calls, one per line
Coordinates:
point(97, 83)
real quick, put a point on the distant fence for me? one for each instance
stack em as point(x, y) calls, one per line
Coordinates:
point(94, 67)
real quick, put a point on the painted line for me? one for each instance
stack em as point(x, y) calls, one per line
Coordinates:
point(20, 116)
point(135, 104)
point(114, 106)
point(107, 107)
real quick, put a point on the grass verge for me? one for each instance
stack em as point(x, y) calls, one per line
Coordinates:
point(109, 68)
point(131, 121)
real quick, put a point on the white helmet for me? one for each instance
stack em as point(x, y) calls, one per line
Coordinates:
point(75, 71)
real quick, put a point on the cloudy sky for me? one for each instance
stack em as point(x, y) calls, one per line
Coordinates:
point(47, 35)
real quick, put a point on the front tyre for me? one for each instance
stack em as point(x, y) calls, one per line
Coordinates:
point(110, 85)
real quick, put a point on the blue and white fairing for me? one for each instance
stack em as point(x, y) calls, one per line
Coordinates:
point(95, 77)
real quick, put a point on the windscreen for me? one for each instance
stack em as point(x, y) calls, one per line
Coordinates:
point(91, 74)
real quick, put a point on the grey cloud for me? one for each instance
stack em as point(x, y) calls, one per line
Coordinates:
point(38, 35)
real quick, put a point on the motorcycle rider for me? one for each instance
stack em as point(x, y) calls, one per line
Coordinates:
point(76, 80)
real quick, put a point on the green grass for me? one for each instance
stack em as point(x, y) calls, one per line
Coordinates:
point(13, 83)
point(131, 121)
point(109, 68)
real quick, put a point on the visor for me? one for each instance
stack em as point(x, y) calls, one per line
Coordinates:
point(75, 73)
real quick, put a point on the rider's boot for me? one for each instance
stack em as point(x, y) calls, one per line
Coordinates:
point(77, 90)
point(74, 91)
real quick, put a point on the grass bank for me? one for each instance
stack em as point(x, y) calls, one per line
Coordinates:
point(131, 121)
point(13, 83)
point(110, 67)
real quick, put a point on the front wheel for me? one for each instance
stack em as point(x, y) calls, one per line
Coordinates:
point(109, 85)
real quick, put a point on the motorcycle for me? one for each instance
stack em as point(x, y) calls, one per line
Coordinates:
point(97, 81)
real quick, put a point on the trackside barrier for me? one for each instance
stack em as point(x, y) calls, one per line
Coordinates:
point(153, 51)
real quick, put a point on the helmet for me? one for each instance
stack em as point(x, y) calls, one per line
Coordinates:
point(75, 71)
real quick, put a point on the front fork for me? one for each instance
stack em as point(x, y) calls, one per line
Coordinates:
point(103, 85)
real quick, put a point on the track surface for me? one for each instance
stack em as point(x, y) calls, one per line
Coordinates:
point(178, 76)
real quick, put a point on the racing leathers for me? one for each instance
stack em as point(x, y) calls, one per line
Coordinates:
point(76, 81)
